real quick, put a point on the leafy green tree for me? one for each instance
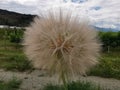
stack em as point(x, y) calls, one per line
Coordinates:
point(118, 37)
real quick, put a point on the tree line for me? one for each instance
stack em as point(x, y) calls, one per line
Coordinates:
point(110, 40)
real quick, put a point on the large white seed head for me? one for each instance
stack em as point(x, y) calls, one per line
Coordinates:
point(60, 41)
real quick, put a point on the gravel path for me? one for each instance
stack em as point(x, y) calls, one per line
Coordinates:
point(37, 79)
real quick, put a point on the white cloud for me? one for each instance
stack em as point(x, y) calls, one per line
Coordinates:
point(105, 11)
point(23, 2)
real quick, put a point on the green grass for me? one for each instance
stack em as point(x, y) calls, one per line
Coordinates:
point(108, 67)
point(13, 84)
point(16, 63)
point(12, 58)
point(73, 86)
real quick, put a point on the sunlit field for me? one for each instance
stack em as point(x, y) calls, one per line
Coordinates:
point(13, 59)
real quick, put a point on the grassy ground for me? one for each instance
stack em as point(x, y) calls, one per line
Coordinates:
point(73, 86)
point(12, 57)
point(109, 66)
point(13, 84)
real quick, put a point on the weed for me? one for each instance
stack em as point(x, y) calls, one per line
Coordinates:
point(78, 85)
point(13, 84)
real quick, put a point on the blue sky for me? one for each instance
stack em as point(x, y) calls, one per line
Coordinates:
point(102, 13)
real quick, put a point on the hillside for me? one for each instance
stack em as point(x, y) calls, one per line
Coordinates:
point(106, 29)
point(15, 19)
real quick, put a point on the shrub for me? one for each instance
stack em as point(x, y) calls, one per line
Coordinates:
point(73, 86)
point(108, 67)
point(13, 84)
point(18, 63)
point(15, 36)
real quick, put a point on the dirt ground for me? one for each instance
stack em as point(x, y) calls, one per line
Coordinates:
point(37, 79)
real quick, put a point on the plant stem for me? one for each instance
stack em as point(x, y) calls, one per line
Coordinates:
point(64, 80)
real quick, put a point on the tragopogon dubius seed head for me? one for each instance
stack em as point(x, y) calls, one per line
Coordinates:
point(59, 41)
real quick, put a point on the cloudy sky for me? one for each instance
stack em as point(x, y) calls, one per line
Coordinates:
point(102, 13)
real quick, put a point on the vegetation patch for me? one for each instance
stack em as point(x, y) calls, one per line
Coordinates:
point(73, 86)
point(17, 63)
point(12, 57)
point(13, 84)
point(108, 67)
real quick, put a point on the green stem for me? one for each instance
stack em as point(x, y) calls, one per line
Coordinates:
point(64, 80)
point(63, 74)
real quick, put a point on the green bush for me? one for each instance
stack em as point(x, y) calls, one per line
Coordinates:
point(110, 40)
point(13, 84)
point(18, 63)
point(108, 67)
point(73, 86)
point(16, 36)
point(13, 35)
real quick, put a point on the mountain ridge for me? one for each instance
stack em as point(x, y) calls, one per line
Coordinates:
point(106, 29)
point(12, 18)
